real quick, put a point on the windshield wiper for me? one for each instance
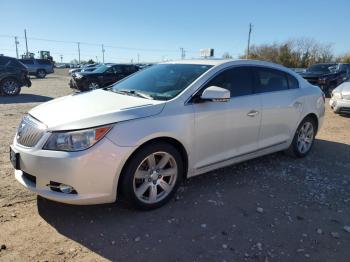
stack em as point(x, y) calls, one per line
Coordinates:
point(133, 92)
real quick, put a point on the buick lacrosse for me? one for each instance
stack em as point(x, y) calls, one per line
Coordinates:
point(139, 138)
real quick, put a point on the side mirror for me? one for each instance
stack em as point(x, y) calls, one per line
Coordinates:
point(216, 94)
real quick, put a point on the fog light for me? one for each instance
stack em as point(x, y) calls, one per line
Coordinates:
point(66, 189)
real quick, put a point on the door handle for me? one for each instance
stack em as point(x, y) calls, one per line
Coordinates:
point(253, 113)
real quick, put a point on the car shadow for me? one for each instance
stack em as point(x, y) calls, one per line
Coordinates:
point(24, 98)
point(212, 216)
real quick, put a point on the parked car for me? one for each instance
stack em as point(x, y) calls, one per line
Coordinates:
point(327, 76)
point(102, 76)
point(13, 75)
point(139, 138)
point(85, 68)
point(38, 67)
point(340, 100)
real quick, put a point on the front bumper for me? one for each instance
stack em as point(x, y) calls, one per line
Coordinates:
point(93, 173)
point(79, 85)
point(340, 105)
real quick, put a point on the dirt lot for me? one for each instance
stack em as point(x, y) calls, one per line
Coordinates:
point(274, 208)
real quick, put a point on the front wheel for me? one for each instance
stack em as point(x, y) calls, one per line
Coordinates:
point(10, 87)
point(304, 138)
point(152, 176)
point(93, 85)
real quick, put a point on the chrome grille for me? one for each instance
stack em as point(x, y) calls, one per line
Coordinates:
point(29, 131)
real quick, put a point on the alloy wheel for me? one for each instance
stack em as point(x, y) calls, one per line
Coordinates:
point(305, 137)
point(10, 87)
point(155, 177)
point(93, 86)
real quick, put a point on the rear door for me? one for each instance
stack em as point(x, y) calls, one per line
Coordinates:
point(29, 63)
point(225, 130)
point(281, 105)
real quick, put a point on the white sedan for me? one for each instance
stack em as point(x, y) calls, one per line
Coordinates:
point(139, 138)
point(340, 100)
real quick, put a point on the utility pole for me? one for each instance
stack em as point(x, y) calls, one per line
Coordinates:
point(138, 58)
point(16, 43)
point(79, 52)
point(250, 32)
point(61, 58)
point(182, 53)
point(25, 36)
point(103, 54)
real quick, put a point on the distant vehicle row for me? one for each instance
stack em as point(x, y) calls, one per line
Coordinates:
point(102, 76)
point(327, 75)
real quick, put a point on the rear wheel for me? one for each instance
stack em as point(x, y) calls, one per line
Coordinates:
point(10, 87)
point(304, 138)
point(41, 73)
point(152, 176)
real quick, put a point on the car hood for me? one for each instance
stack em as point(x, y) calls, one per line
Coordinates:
point(94, 108)
point(344, 88)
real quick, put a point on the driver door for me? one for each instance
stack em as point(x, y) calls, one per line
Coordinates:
point(226, 130)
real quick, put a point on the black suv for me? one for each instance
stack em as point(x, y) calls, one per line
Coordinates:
point(327, 76)
point(13, 75)
point(102, 76)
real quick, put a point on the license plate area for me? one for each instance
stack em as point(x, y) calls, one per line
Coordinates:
point(14, 158)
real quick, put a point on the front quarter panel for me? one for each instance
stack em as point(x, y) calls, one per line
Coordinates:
point(176, 121)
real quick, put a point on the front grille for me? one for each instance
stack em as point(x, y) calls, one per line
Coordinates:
point(29, 131)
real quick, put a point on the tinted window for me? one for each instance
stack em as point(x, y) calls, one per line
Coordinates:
point(129, 69)
point(44, 61)
point(117, 69)
point(270, 80)
point(3, 60)
point(238, 81)
point(27, 61)
point(292, 82)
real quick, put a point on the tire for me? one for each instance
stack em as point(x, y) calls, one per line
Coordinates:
point(304, 135)
point(145, 189)
point(93, 85)
point(41, 73)
point(10, 87)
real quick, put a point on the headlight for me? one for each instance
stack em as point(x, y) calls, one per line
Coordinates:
point(78, 76)
point(337, 95)
point(75, 140)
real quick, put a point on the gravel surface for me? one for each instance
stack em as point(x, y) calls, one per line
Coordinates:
point(274, 208)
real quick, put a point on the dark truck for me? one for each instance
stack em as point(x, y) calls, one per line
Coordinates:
point(327, 75)
point(13, 75)
point(102, 76)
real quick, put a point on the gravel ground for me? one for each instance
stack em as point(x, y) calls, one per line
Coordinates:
point(274, 208)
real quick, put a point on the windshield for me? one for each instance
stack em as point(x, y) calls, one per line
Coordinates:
point(162, 81)
point(101, 69)
point(324, 68)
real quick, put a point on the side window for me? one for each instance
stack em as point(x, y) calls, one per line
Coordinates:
point(118, 69)
point(292, 82)
point(27, 61)
point(270, 80)
point(239, 81)
point(3, 60)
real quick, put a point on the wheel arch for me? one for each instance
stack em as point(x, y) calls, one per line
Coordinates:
point(164, 139)
point(314, 117)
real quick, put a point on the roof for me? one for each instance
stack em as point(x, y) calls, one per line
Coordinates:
point(213, 62)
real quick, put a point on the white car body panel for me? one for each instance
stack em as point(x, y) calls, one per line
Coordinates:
point(213, 134)
point(341, 104)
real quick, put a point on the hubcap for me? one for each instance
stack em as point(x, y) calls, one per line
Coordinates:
point(10, 87)
point(155, 177)
point(305, 137)
point(41, 73)
point(93, 86)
